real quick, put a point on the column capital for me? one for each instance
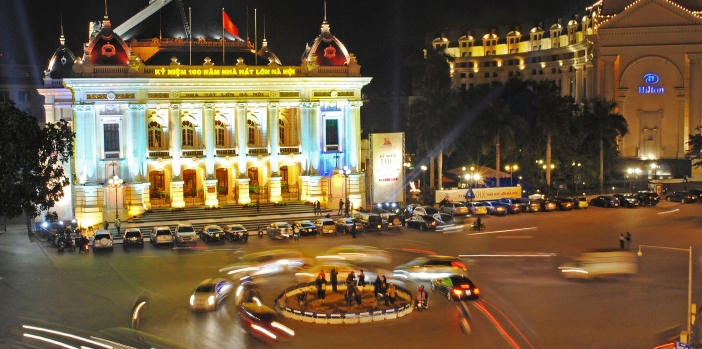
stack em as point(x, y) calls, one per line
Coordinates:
point(83, 107)
point(208, 106)
point(609, 59)
point(355, 104)
point(241, 105)
point(694, 56)
point(136, 106)
point(305, 104)
point(175, 106)
point(314, 104)
point(273, 105)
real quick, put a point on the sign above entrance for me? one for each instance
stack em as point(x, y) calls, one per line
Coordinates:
point(651, 79)
point(223, 95)
point(222, 72)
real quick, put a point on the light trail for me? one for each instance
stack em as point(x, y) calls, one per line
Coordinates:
point(501, 231)
point(671, 211)
point(511, 323)
point(67, 335)
point(502, 330)
point(542, 255)
point(44, 339)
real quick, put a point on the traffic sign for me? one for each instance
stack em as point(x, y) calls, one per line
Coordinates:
point(679, 345)
point(470, 194)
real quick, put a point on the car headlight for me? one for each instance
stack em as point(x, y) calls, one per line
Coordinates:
point(192, 300)
point(210, 300)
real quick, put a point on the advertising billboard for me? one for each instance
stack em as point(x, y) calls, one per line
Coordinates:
point(480, 194)
point(386, 153)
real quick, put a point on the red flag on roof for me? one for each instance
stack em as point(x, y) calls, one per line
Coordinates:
point(229, 26)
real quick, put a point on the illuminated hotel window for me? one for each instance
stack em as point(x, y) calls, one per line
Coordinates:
point(155, 135)
point(111, 134)
point(284, 175)
point(332, 131)
point(252, 131)
point(189, 183)
point(220, 131)
point(463, 54)
point(188, 134)
point(158, 183)
point(222, 176)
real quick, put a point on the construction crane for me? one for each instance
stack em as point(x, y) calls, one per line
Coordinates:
point(154, 5)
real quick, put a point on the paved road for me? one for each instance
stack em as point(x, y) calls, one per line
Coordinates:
point(533, 305)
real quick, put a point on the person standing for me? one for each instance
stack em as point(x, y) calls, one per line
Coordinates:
point(321, 284)
point(376, 285)
point(333, 278)
point(341, 206)
point(105, 225)
point(346, 207)
point(362, 279)
point(628, 240)
point(118, 223)
point(621, 241)
point(296, 233)
point(314, 207)
point(391, 295)
point(353, 230)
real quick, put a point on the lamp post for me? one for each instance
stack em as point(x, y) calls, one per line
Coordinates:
point(346, 172)
point(424, 173)
point(576, 175)
point(689, 278)
point(511, 169)
point(116, 182)
point(633, 172)
point(654, 167)
point(472, 177)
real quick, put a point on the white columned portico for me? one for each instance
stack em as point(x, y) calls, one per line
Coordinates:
point(242, 133)
point(210, 189)
point(274, 182)
point(175, 126)
point(305, 137)
point(317, 141)
point(354, 134)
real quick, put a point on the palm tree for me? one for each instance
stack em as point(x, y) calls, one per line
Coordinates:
point(604, 125)
point(553, 114)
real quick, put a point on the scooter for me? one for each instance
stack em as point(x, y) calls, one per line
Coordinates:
point(477, 227)
point(464, 317)
point(84, 246)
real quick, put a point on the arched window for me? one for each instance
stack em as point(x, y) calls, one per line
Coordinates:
point(189, 183)
point(253, 175)
point(188, 134)
point(281, 131)
point(284, 174)
point(220, 132)
point(252, 131)
point(222, 181)
point(158, 183)
point(155, 135)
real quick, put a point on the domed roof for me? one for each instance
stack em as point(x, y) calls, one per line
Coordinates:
point(61, 63)
point(266, 53)
point(327, 49)
point(107, 47)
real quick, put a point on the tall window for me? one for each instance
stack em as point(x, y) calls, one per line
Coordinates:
point(252, 131)
point(281, 131)
point(284, 174)
point(155, 135)
point(253, 175)
point(158, 183)
point(111, 133)
point(220, 131)
point(332, 131)
point(189, 183)
point(222, 181)
point(188, 134)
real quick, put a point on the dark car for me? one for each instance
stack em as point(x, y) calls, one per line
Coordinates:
point(511, 205)
point(344, 225)
point(697, 193)
point(647, 198)
point(494, 209)
point(392, 221)
point(305, 227)
point(133, 237)
point(605, 201)
point(371, 221)
point(211, 233)
point(421, 222)
point(564, 203)
point(234, 232)
point(527, 206)
point(456, 287)
point(627, 200)
point(681, 196)
point(545, 205)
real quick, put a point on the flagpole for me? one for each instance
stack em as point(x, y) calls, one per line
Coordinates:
point(190, 34)
point(223, 61)
point(255, 39)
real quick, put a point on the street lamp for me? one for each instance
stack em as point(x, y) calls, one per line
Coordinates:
point(689, 279)
point(424, 173)
point(654, 167)
point(116, 182)
point(511, 169)
point(576, 175)
point(633, 172)
point(346, 172)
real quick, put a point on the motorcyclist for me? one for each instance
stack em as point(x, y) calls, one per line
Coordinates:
point(83, 241)
point(422, 296)
point(465, 318)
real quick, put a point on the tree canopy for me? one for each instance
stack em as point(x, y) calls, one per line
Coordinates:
point(32, 177)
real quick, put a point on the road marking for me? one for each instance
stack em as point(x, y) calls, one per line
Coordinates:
point(502, 231)
point(508, 255)
point(514, 237)
point(671, 211)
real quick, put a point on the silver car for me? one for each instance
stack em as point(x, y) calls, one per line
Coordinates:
point(161, 235)
point(279, 230)
point(430, 267)
point(103, 240)
point(209, 294)
point(325, 225)
point(185, 233)
point(455, 209)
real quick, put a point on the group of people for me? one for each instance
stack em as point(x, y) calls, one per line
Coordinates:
point(317, 208)
point(625, 241)
point(354, 287)
point(344, 207)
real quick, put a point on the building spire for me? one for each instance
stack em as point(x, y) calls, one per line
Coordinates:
point(325, 24)
point(62, 39)
point(325, 10)
point(106, 20)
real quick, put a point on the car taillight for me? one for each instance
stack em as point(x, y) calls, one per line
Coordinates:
point(476, 291)
point(457, 292)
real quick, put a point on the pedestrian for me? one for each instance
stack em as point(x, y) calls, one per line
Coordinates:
point(341, 206)
point(362, 279)
point(333, 278)
point(621, 241)
point(353, 230)
point(105, 225)
point(628, 240)
point(118, 223)
point(258, 205)
point(346, 207)
point(321, 284)
point(350, 293)
point(351, 277)
point(296, 233)
point(376, 285)
point(358, 295)
point(319, 207)
point(314, 207)
point(391, 295)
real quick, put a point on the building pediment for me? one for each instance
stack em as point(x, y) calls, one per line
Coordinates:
point(652, 13)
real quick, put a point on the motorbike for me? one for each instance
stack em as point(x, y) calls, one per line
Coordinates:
point(421, 305)
point(477, 227)
point(464, 317)
point(84, 246)
point(66, 242)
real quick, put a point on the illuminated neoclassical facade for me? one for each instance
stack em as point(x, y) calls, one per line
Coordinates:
point(645, 54)
point(207, 134)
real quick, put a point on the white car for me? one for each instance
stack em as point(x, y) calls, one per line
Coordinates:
point(430, 267)
point(267, 263)
point(325, 225)
point(209, 294)
point(355, 254)
point(455, 209)
point(161, 235)
point(185, 233)
point(103, 240)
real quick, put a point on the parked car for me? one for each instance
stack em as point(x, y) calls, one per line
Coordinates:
point(563, 203)
point(103, 240)
point(211, 233)
point(279, 230)
point(391, 221)
point(209, 294)
point(444, 218)
point(605, 201)
point(371, 221)
point(494, 209)
point(430, 267)
point(305, 227)
point(161, 235)
point(421, 222)
point(455, 209)
point(697, 193)
point(133, 237)
point(681, 196)
point(424, 210)
point(456, 287)
point(344, 225)
point(510, 205)
point(325, 225)
point(545, 205)
point(185, 233)
point(476, 208)
point(527, 205)
point(236, 232)
point(648, 198)
point(580, 202)
point(627, 200)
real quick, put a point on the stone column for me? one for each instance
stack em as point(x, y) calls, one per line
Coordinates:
point(314, 185)
point(305, 137)
point(209, 136)
point(242, 143)
point(304, 188)
point(211, 193)
point(354, 133)
point(590, 80)
point(174, 128)
point(146, 196)
point(316, 139)
point(682, 134)
point(80, 129)
point(135, 199)
point(177, 199)
point(578, 93)
point(273, 139)
point(695, 113)
point(274, 185)
point(609, 77)
point(88, 211)
point(142, 136)
point(242, 187)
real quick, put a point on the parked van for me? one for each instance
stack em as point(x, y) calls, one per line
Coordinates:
point(601, 264)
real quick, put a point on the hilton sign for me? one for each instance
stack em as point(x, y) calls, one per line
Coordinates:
point(651, 79)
